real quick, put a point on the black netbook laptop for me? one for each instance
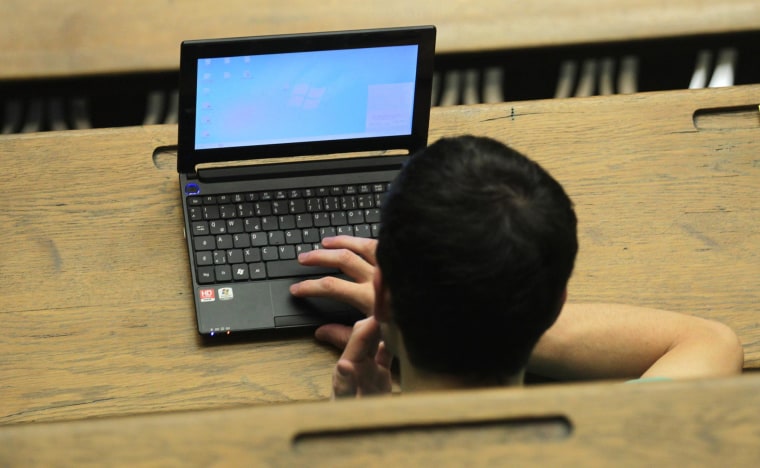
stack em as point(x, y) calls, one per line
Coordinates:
point(363, 92)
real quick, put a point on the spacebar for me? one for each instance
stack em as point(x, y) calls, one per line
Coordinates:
point(287, 268)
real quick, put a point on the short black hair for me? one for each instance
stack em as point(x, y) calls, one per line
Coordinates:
point(476, 245)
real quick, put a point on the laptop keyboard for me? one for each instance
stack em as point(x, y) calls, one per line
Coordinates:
point(258, 235)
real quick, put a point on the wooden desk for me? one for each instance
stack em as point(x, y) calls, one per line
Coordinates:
point(70, 38)
point(701, 423)
point(97, 314)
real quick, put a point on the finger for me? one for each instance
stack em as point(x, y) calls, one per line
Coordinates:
point(334, 334)
point(362, 246)
point(383, 358)
point(343, 380)
point(360, 296)
point(343, 259)
point(363, 342)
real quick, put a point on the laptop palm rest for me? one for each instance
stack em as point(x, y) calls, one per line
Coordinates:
point(290, 311)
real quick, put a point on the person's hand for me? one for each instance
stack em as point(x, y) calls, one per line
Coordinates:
point(364, 367)
point(354, 256)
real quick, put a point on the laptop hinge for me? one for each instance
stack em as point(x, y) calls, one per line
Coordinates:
point(303, 168)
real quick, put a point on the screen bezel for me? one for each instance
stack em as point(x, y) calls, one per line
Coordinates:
point(188, 158)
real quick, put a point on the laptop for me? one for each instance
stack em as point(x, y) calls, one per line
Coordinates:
point(261, 122)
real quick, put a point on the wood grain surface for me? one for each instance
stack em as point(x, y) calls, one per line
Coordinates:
point(96, 307)
point(688, 423)
point(69, 38)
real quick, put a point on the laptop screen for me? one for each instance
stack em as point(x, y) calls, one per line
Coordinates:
point(305, 96)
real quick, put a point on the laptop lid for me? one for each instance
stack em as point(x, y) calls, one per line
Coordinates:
point(304, 94)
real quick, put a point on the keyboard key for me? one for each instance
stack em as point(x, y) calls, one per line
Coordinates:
point(345, 230)
point(262, 208)
point(211, 212)
point(287, 222)
point(227, 211)
point(304, 220)
point(372, 215)
point(280, 207)
point(321, 219)
point(241, 241)
point(204, 243)
point(286, 252)
point(200, 228)
point(220, 257)
point(223, 273)
point(348, 203)
point(234, 256)
point(327, 232)
point(205, 275)
point(286, 268)
point(338, 218)
point(240, 272)
point(204, 258)
point(276, 238)
point(297, 206)
point(235, 225)
point(313, 204)
point(217, 227)
point(245, 210)
point(224, 242)
point(257, 271)
point(365, 201)
point(258, 239)
point(196, 213)
point(331, 203)
point(269, 223)
point(311, 236)
point(355, 217)
point(362, 230)
point(293, 237)
point(269, 253)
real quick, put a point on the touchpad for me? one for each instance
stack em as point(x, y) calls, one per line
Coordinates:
point(307, 310)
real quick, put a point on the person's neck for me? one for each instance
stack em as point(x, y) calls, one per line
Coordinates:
point(413, 379)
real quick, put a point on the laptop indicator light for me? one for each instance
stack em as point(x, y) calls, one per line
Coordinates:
point(192, 189)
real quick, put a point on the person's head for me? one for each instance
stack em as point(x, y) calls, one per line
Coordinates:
point(476, 247)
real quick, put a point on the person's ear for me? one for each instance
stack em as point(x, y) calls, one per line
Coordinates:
point(382, 310)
